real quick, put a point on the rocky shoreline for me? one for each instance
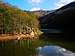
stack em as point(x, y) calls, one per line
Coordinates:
point(7, 37)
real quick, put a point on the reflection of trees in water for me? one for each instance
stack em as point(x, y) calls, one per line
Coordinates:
point(51, 35)
point(63, 40)
point(68, 35)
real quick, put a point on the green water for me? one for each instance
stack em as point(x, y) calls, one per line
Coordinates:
point(28, 47)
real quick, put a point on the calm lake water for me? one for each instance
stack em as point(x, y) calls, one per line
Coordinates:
point(37, 48)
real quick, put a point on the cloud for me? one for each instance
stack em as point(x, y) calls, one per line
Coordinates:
point(35, 9)
point(61, 3)
point(35, 4)
point(35, 1)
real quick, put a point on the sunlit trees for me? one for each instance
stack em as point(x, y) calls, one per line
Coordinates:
point(14, 20)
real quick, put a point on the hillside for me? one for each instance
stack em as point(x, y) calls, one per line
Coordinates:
point(41, 13)
point(15, 21)
point(62, 17)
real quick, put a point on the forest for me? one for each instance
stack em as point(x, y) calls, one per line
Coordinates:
point(16, 21)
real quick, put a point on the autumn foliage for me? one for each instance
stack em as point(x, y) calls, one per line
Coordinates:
point(14, 20)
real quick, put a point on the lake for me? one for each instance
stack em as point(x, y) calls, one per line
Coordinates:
point(40, 47)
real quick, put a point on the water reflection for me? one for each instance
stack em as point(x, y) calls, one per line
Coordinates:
point(35, 48)
point(53, 51)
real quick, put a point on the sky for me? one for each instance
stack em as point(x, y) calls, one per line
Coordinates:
point(33, 5)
